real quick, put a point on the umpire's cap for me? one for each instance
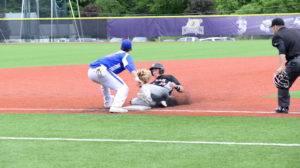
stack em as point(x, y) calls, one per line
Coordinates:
point(126, 45)
point(277, 22)
point(158, 66)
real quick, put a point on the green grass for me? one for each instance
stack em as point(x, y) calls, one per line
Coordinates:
point(30, 153)
point(293, 94)
point(67, 154)
point(70, 54)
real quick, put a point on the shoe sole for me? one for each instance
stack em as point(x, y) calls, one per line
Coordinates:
point(281, 110)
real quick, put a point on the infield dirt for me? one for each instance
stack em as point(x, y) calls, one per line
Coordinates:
point(226, 84)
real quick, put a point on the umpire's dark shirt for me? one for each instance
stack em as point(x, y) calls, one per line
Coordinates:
point(287, 41)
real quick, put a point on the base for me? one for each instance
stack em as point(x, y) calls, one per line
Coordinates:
point(137, 108)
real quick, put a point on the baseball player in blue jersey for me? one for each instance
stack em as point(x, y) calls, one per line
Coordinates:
point(158, 91)
point(104, 72)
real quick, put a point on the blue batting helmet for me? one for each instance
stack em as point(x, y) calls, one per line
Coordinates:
point(126, 45)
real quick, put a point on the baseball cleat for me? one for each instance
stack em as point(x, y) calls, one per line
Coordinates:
point(163, 103)
point(108, 104)
point(117, 110)
point(282, 109)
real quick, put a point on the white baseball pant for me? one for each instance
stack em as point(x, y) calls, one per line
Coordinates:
point(109, 80)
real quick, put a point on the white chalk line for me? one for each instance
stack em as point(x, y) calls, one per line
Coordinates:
point(49, 109)
point(153, 110)
point(149, 141)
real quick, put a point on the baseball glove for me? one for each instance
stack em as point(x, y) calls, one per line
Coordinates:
point(144, 75)
point(281, 80)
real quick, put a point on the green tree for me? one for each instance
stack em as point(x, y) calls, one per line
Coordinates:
point(83, 3)
point(167, 7)
point(251, 8)
point(128, 5)
point(142, 6)
point(13, 5)
point(200, 6)
point(110, 7)
point(90, 11)
point(228, 7)
point(158, 7)
point(280, 6)
point(270, 6)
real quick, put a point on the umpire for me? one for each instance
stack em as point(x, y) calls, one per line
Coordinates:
point(287, 41)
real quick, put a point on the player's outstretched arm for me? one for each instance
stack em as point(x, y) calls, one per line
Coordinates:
point(136, 78)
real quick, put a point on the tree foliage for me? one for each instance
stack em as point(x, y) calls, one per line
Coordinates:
point(251, 8)
point(13, 5)
point(200, 6)
point(90, 10)
point(163, 7)
point(167, 7)
point(227, 7)
point(109, 7)
point(280, 6)
point(257, 6)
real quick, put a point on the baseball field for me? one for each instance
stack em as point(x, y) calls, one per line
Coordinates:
point(51, 115)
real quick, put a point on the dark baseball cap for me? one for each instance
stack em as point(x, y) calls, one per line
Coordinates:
point(278, 22)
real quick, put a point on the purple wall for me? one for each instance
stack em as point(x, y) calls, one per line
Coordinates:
point(196, 26)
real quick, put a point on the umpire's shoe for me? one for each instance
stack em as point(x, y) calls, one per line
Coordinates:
point(282, 109)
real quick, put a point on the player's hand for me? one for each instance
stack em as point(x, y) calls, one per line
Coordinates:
point(172, 85)
point(279, 70)
point(139, 82)
point(175, 86)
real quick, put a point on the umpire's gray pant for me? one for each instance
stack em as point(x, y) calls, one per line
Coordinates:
point(293, 71)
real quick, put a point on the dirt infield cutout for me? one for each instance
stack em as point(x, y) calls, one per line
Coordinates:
point(226, 86)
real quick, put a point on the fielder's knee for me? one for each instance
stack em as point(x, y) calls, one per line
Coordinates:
point(123, 89)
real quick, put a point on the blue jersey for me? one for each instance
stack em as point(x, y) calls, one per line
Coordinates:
point(116, 62)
